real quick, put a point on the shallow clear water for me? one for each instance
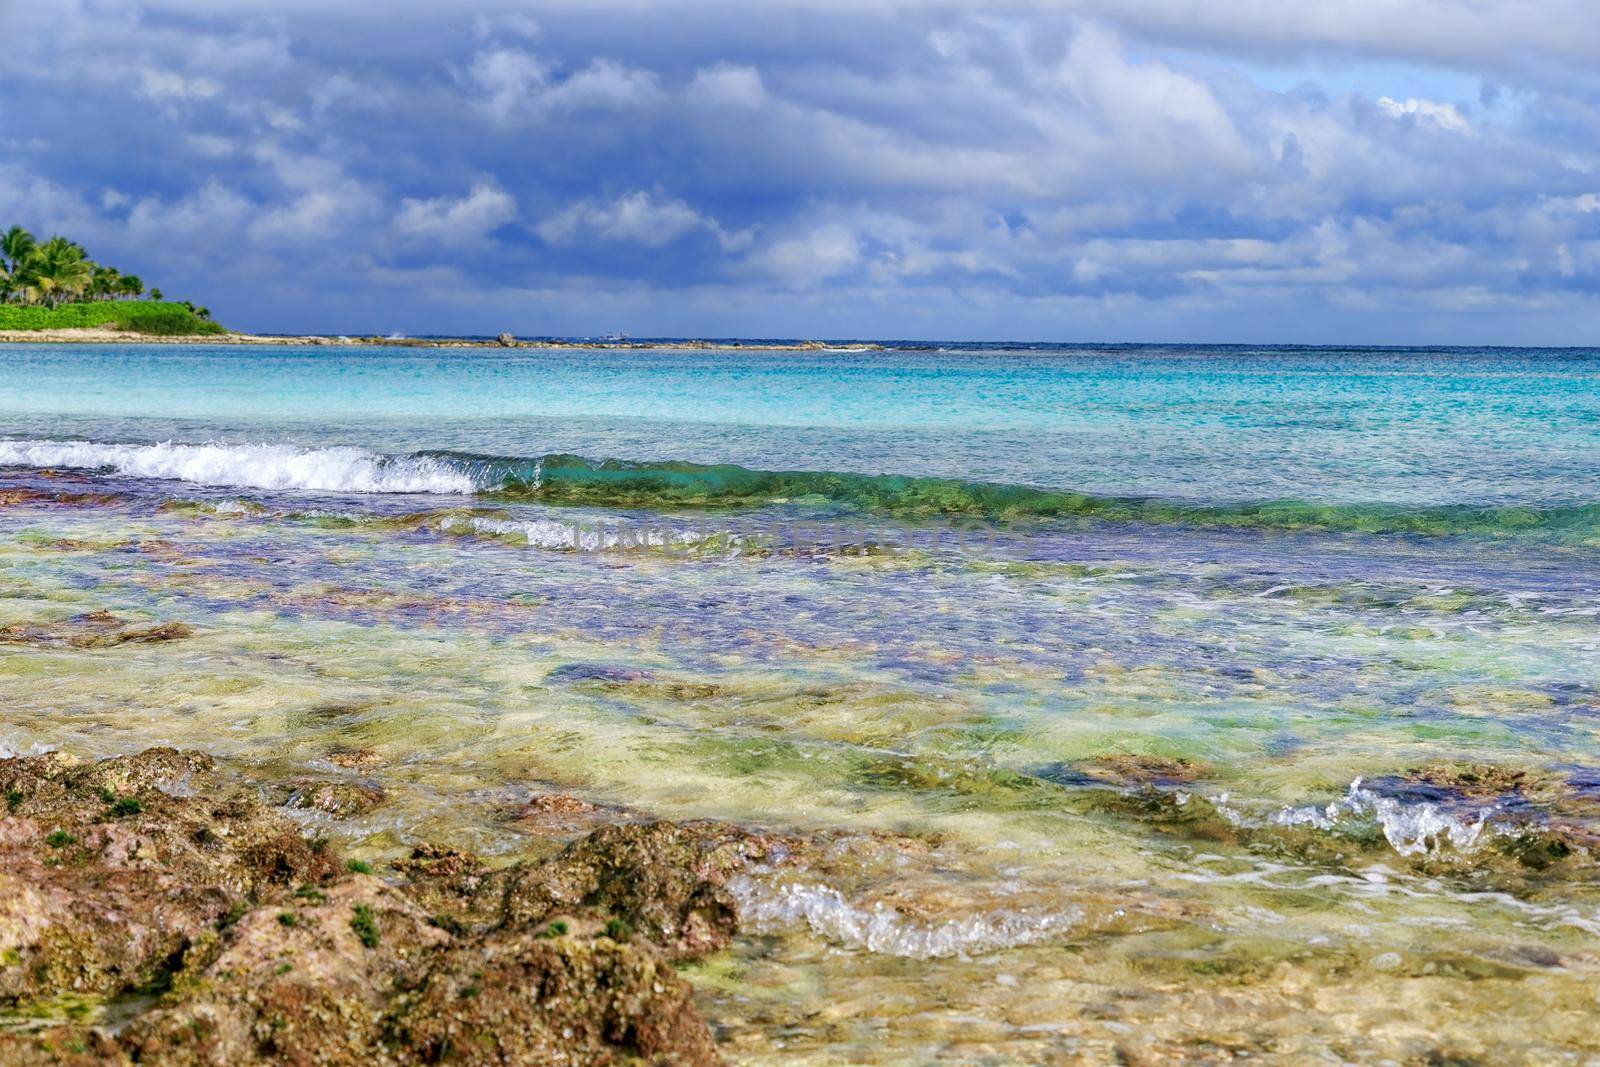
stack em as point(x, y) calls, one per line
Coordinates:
point(1142, 782)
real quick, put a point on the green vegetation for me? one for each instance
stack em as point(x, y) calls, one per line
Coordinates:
point(60, 839)
point(358, 866)
point(163, 320)
point(124, 806)
point(54, 285)
point(365, 925)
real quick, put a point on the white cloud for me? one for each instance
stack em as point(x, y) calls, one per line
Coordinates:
point(211, 212)
point(809, 257)
point(604, 83)
point(728, 85)
point(508, 77)
point(317, 215)
point(513, 24)
point(1442, 115)
point(340, 90)
point(516, 84)
point(457, 219)
point(638, 217)
point(171, 86)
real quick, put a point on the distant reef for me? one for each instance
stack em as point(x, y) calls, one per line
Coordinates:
point(100, 323)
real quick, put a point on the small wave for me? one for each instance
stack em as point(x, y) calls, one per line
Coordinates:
point(254, 466)
point(1412, 827)
point(766, 906)
point(19, 750)
point(574, 480)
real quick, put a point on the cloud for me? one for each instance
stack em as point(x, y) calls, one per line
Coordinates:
point(728, 85)
point(638, 217)
point(166, 85)
point(1443, 115)
point(1040, 167)
point(518, 85)
point(509, 78)
point(208, 214)
point(809, 258)
point(457, 219)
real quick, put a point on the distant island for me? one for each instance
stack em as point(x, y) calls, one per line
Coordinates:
point(52, 286)
point(52, 292)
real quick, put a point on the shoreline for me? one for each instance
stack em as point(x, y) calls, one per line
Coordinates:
point(100, 336)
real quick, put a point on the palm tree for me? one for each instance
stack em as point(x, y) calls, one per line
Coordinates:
point(15, 247)
point(155, 294)
point(58, 269)
point(130, 285)
point(103, 283)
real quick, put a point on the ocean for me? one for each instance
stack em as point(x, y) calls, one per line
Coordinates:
point(1158, 697)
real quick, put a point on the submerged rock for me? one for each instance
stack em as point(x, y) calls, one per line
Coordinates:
point(20, 497)
point(562, 814)
point(154, 874)
point(340, 798)
point(350, 757)
point(96, 629)
point(1485, 827)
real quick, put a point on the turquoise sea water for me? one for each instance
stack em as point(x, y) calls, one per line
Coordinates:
point(1253, 708)
point(1204, 424)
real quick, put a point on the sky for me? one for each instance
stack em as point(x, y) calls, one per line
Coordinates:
point(1350, 171)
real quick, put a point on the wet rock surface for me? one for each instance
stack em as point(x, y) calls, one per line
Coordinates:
point(339, 798)
point(156, 881)
point(95, 629)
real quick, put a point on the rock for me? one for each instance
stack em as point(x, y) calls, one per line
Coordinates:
point(1134, 770)
point(339, 798)
point(341, 756)
point(665, 880)
point(593, 1000)
point(308, 980)
point(96, 629)
point(599, 673)
point(558, 814)
point(452, 886)
point(60, 1046)
point(156, 874)
point(506, 340)
point(106, 876)
point(13, 497)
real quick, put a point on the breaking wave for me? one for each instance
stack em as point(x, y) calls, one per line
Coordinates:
point(1412, 826)
point(252, 466)
point(670, 485)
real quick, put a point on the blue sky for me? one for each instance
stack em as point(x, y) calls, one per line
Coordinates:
point(1405, 171)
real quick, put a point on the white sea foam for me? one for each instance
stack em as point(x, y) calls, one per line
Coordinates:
point(9, 750)
point(255, 466)
point(1411, 828)
point(766, 906)
point(573, 536)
